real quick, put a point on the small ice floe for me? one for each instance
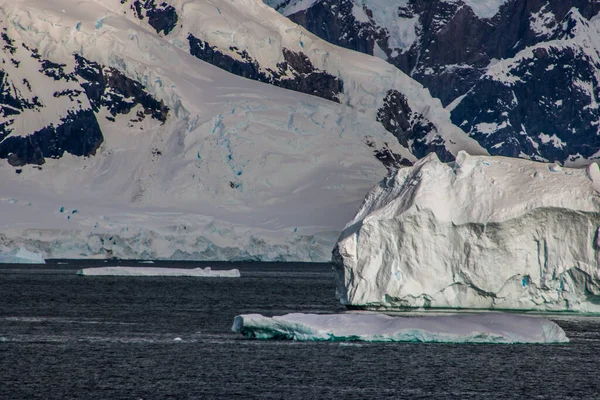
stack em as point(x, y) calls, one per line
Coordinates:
point(466, 328)
point(178, 339)
point(155, 271)
point(21, 256)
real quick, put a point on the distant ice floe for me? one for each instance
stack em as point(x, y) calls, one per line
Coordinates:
point(21, 256)
point(155, 271)
point(469, 328)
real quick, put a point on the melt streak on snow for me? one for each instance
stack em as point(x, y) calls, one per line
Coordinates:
point(240, 170)
point(479, 328)
point(483, 232)
point(150, 271)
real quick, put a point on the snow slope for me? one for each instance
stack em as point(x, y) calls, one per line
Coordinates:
point(237, 169)
point(483, 232)
point(481, 328)
point(253, 40)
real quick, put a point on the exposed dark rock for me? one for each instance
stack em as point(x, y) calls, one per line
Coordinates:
point(162, 17)
point(56, 71)
point(544, 115)
point(532, 118)
point(9, 44)
point(77, 133)
point(12, 102)
point(295, 73)
point(107, 87)
point(70, 93)
point(454, 45)
point(410, 128)
point(334, 21)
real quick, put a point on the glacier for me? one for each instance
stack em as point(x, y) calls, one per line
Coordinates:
point(240, 170)
point(156, 271)
point(480, 233)
point(470, 328)
point(21, 256)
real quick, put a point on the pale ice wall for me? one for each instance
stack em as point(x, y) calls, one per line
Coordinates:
point(484, 232)
point(20, 256)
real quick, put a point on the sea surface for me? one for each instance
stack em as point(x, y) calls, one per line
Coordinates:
point(64, 336)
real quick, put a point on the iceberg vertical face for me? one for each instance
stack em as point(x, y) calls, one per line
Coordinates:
point(483, 232)
point(21, 256)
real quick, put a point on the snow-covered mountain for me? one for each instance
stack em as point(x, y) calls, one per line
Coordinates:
point(119, 139)
point(519, 76)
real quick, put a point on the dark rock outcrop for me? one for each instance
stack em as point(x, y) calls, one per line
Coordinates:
point(77, 133)
point(545, 108)
point(162, 17)
point(548, 109)
point(107, 87)
point(77, 130)
point(296, 72)
point(410, 128)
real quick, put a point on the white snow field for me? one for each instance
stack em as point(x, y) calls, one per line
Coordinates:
point(155, 271)
point(240, 170)
point(483, 233)
point(469, 328)
point(21, 256)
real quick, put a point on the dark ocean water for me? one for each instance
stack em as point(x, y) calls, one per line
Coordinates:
point(64, 336)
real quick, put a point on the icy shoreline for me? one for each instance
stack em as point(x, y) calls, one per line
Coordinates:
point(474, 328)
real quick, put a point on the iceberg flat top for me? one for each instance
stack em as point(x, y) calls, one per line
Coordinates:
point(483, 189)
point(470, 328)
point(156, 271)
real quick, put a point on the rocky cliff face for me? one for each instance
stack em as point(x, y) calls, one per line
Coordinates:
point(544, 108)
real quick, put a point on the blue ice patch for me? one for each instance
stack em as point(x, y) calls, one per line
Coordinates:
point(525, 281)
point(99, 23)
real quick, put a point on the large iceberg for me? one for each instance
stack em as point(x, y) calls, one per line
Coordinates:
point(156, 271)
point(21, 256)
point(468, 328)
point(481, 232)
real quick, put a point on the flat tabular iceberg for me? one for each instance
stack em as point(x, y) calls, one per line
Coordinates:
point(21, 256)
point(483, 232)
point(155, 271)
point(470, 328)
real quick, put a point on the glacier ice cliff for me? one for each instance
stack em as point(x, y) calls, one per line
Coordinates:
point(482, 232)
point(21, 256)
point(475, 328)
